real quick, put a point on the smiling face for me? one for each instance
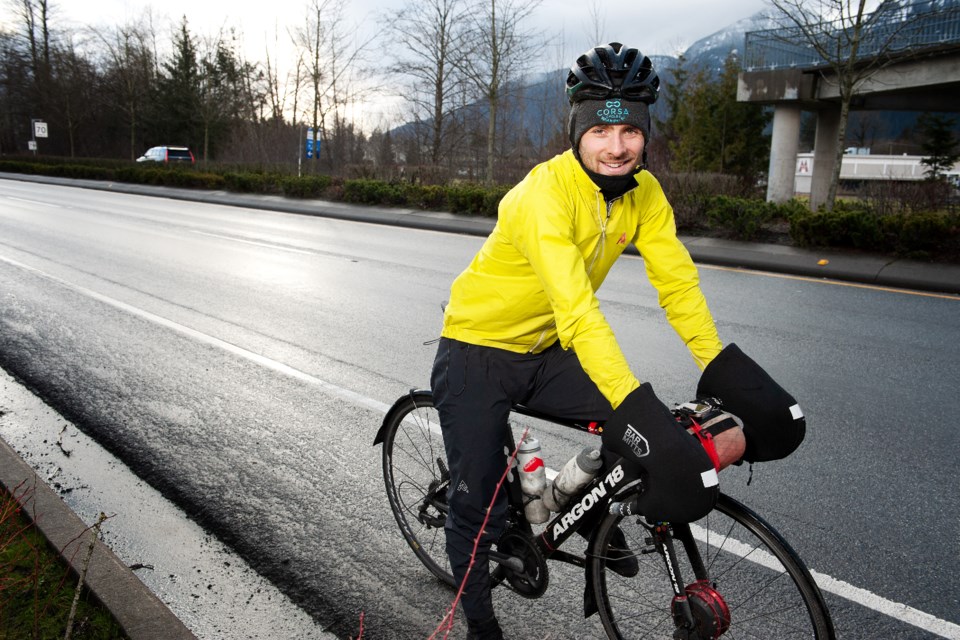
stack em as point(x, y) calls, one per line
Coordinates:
point(611, 149)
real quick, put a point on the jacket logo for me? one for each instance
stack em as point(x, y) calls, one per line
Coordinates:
point(623, 238)
point(637, 443)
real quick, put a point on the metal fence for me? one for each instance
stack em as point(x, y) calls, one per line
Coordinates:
point(889, 30)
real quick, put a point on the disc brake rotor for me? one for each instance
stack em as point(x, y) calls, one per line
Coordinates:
point(710, 612)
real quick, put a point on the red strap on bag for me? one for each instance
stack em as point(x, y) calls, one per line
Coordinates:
point(706, 439)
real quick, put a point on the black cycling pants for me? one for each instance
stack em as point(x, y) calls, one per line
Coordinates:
point(473, 390)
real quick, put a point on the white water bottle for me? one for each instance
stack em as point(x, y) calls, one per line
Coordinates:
point(533, 480)
point(574, 476)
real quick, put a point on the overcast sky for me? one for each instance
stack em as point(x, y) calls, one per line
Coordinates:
point(654, 26)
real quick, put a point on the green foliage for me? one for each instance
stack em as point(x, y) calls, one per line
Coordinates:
point(709, 131)
point(847, 225)
point(37, 588)
point(305, 186)
point(740, 217)
point(76, 171)
point(922, 235)
point(940, 144)
point(471, 199)
point(252, 182)
point(426, 196)
point(917, 235)
point(475, 199)
point(373, 192)
point(175, 104)
point(690, 194)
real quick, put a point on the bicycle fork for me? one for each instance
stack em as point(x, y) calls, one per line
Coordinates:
point(699, 611)
point(682, 614)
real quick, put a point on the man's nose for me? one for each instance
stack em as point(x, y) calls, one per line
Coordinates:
point(616, 144)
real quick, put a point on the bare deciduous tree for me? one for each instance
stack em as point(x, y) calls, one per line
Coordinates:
point(328, 53)
point(129, 73)
point(430, 33)
point(74, 101)
point(498, 45)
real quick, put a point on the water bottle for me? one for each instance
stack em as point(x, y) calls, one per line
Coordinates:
point(533, 480)
point(574, 476)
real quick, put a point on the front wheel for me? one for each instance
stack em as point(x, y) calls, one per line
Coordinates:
point(742, 580)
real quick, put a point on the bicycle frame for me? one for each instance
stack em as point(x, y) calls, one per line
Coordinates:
point(589, 506)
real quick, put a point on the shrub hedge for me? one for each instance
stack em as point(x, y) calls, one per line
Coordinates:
point(736, 212)
point(920, 235)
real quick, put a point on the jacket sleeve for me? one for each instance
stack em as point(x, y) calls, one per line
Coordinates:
point(544, 235)
point(672, 273)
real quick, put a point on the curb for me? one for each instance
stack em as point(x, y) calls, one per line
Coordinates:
point(140, 613)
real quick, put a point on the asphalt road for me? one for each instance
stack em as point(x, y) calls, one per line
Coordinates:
point(240, 361)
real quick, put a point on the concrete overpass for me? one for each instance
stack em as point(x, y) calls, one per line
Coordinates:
point(920, 71)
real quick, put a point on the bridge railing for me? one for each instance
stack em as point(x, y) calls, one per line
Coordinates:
point(890, 29)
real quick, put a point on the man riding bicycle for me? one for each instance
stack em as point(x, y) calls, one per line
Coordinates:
point(523, 324)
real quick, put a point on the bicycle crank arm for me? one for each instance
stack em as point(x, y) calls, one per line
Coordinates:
point(512, 563)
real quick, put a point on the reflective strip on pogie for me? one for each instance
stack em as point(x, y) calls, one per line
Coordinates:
point(796, 412)
point(710, 478)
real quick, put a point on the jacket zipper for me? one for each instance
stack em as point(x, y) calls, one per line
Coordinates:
point(596, 255)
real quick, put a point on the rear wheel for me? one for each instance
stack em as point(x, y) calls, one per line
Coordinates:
point(416, 475)
point(742, 580)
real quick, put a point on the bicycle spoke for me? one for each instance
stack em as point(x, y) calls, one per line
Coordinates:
point(412, 466)
point(751, 574)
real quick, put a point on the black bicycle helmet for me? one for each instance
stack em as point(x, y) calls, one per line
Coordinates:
point(613, 71)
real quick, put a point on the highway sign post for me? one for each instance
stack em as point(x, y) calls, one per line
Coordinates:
point(39, 131)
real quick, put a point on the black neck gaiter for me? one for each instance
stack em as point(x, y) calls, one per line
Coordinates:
point(612, 187)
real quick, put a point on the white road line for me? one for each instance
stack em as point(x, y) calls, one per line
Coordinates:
point(902, 612)
point(45, 204)
point(256, 243)
point(840, 588)
point(345, 394)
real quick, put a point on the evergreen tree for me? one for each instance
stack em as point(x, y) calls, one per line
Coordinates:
point(939, 144)
point(176, 105)
point(224, 95)
point(745, 149)
point(677, 116)
point(710, 131)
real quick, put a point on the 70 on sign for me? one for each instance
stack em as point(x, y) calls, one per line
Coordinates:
point(39, 129)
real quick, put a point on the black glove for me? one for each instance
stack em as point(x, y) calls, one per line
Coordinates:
point(773, 424)
point(680, 481)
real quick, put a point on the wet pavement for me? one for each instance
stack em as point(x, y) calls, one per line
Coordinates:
point(209, 588)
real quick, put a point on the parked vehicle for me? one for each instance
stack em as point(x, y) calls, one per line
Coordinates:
point(167, 155)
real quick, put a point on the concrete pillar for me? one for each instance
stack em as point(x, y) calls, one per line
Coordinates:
point(783, 152)
point(824, 154)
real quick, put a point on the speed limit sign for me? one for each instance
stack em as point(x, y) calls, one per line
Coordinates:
point(40, 129)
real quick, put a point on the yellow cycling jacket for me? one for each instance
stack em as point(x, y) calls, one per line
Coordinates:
point(534, 281)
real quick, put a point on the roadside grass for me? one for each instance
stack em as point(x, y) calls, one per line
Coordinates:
point(38, 589)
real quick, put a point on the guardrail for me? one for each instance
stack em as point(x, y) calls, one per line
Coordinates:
point(891, 29)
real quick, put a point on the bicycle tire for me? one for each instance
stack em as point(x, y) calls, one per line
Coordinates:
point(414, 473)
point(766, 588)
